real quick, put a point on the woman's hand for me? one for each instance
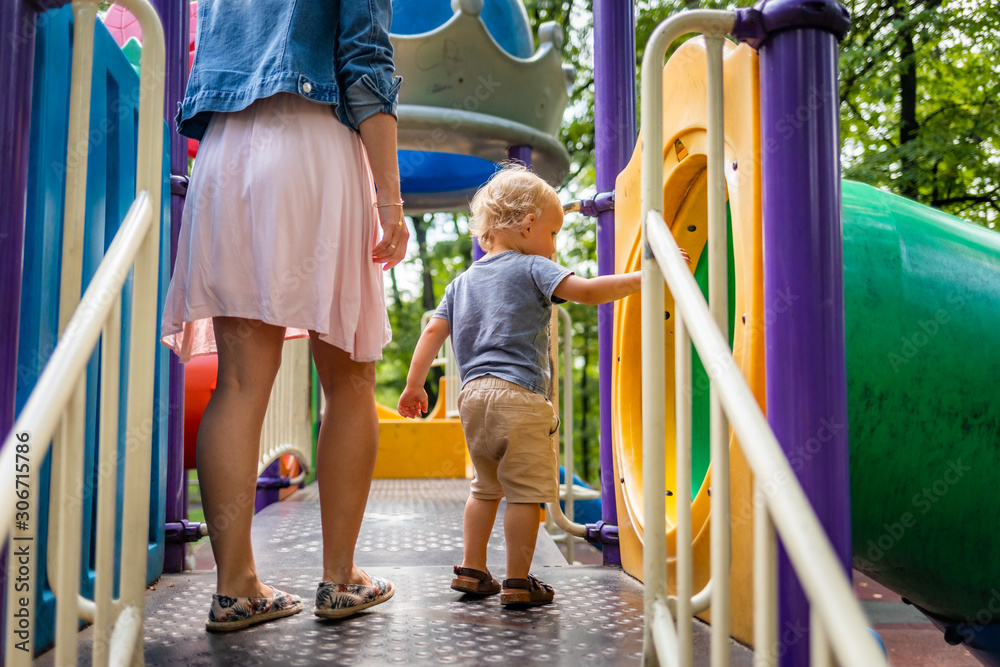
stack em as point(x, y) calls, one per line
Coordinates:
point(391, 249)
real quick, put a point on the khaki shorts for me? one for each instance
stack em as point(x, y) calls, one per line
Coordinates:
point(513, 438)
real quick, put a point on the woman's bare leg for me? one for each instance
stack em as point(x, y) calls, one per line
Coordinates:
point(229, 443)
point(345, 456)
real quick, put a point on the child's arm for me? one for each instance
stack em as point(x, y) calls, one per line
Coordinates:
point(595, 291)
point(413, 401)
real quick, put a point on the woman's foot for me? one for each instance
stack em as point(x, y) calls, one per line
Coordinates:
point(353, 576)
point(230, 613)
point(342, 600)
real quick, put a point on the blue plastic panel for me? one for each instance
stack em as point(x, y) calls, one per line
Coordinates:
point(506, 21)
point(110, 191)
point(423, 171)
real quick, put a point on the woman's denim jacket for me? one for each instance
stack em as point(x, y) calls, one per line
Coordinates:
point(334, 52)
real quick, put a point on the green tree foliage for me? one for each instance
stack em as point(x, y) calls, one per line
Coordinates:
point(920, 84)
point(920, 112)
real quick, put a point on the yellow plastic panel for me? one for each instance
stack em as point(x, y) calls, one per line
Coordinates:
point(685, 208)
point(420, 448)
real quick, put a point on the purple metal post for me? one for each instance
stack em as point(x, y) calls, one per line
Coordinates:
point(268, 487)
point(175, 17)
point(520, 154)
point(615, 134)
point(806, 373)
point(17, 59)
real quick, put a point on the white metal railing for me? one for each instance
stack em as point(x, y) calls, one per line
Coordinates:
point(287, 426)
point(55, 411)
point(568, 490)
point(837, 620)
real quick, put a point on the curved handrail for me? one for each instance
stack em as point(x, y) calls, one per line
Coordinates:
point(55, 409)
point(837, 616)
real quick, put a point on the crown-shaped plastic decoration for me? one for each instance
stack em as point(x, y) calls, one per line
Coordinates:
point(463, 93)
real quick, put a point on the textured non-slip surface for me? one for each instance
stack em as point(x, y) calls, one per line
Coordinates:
point(412, 536)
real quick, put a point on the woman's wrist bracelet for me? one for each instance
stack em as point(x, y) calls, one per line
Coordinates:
point(395, 203)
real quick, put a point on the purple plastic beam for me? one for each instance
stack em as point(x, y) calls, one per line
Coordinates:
point(615, 134)
point(268, 492)
point(17, 59)
point(806, 374)
point(521, 154)
point(175, 17)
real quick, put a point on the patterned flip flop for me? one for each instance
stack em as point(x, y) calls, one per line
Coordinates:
point(230, 613)
point(342, 600)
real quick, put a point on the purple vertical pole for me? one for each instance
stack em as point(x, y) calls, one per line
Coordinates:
point(806, 384)
point(269, 492)
point(520, 154)
point(17, 61)
point(615, 133)
point(175, 17)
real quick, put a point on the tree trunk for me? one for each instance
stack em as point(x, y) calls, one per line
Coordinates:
point(420, 226)
point(908, 126)
point(397, 299)
point(467, 258)
point(584, 406)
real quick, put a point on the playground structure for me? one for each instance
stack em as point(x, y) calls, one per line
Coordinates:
point(907, 271)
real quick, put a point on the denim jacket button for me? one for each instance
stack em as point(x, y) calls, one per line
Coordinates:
point(307, 87)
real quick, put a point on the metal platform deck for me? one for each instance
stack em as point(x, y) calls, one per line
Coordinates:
point(412, 534)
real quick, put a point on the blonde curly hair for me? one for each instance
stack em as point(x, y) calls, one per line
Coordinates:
point(504, 201)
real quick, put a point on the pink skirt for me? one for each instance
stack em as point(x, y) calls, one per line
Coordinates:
point(278, 226)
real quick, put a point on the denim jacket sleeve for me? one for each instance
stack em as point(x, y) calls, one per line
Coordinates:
point(364, 61)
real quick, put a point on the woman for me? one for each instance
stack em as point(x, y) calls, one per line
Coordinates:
point(294, 104)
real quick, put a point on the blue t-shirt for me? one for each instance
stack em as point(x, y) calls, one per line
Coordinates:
point(498, 313)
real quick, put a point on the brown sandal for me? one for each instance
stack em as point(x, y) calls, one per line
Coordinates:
point(528, 592)
point(474, 582)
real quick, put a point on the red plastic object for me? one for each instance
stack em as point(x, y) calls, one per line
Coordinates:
point(200, 378)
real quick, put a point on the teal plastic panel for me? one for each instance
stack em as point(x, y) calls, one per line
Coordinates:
point(110, 191)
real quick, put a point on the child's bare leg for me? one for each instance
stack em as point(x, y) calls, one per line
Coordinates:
point(520, 529)
point(477, 526)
